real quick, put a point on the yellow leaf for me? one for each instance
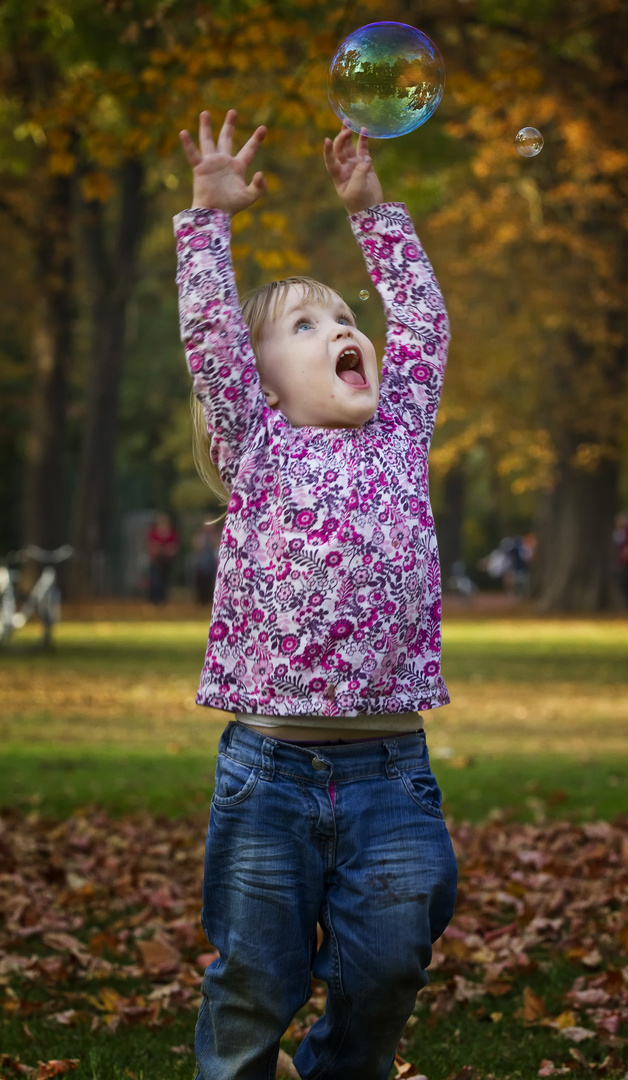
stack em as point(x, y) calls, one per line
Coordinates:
point(96, 187)
point(241, 221)
point(565, 1020)
point(273, 183)
point(61, 163)
point(31, 130)
point(272, 220)
point(270, 260)
point(136, 142)
point(240, 251)
point(296, 260)
point(152, 77)
point(108, 999)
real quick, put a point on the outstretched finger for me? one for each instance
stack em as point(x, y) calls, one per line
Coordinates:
point(332, 163)
point(250, 148)
point(227, 131)
point(205, 137)
point(343, 144)
point(189, 147)
point(363, 145)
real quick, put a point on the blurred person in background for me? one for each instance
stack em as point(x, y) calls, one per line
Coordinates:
point(205, 546)
point(162, 542)
point(510, 562)
point(620, 536)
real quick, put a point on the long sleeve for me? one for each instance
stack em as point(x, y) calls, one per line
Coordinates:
point(417, 336)
point(217, 346)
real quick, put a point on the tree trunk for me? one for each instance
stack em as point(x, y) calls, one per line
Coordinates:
point(112, 274)
point(574, 566)
point(45, 510)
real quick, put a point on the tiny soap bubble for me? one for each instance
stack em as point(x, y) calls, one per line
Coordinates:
point(387, 77)
point(529, 142)
point(364, 294)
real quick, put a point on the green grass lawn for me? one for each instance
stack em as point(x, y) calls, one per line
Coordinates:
point(537, 726)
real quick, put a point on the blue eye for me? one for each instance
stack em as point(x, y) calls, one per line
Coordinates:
point(303, 324)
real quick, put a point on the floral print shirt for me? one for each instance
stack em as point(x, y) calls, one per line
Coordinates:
point(327, 600)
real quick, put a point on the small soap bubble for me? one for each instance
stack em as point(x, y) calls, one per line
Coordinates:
point(387, 77)
point(529, 142)
point(364, 294)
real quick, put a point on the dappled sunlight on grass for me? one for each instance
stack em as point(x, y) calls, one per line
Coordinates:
point(529, 686)
point(498, 718)
point(108, 716)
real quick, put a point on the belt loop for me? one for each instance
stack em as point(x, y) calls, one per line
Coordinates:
point(392, 746)
point(268, 760)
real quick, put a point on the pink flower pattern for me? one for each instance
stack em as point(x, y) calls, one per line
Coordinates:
point(328, 597)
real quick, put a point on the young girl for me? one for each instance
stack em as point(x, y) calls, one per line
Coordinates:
point(325, 633)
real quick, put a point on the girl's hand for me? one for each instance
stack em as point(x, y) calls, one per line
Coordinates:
point(219, 177)
point(351, 169)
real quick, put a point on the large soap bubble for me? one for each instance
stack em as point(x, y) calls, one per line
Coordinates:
point(387, 77)
point(529, 142)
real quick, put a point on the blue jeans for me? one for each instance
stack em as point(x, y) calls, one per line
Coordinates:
point(351, 836)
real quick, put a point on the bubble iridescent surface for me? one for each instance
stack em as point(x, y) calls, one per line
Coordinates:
point(363, 294)
point(387, 77)
point(529, 142)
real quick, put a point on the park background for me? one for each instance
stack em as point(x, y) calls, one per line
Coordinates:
point(106, 767)
point(531, 255)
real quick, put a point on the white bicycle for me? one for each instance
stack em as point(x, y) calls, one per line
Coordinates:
point(43, 600)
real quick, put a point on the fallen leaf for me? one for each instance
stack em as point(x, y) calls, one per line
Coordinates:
point(406, 1070)
point(565, 1019)
point(549, 1069)
point(578, 1056)
point(8, 1062)
point(533, 1006)
point(547, 891)
point(55, 1067)
point(593, 958)
point(577, 1034)
point(159, 955)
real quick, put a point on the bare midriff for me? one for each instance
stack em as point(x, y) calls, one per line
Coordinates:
point(289, 734)
point(409, 723)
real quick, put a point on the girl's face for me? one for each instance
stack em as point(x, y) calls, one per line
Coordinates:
point(316, 366)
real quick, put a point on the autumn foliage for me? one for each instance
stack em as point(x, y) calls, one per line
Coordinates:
point(102, 915)
point(531, 255)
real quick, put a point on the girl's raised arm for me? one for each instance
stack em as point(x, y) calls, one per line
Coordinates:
point(217, 346)
point(417, 326)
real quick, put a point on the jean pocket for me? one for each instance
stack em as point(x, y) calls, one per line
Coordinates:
point(234, 781)
point(423, 790)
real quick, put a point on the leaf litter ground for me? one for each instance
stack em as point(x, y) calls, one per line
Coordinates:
point(101, 934)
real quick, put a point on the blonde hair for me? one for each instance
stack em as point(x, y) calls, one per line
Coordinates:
point(268, 301)
point(258, 307)
point(201, 452)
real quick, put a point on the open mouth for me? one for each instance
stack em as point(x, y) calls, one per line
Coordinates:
point(349, 367)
